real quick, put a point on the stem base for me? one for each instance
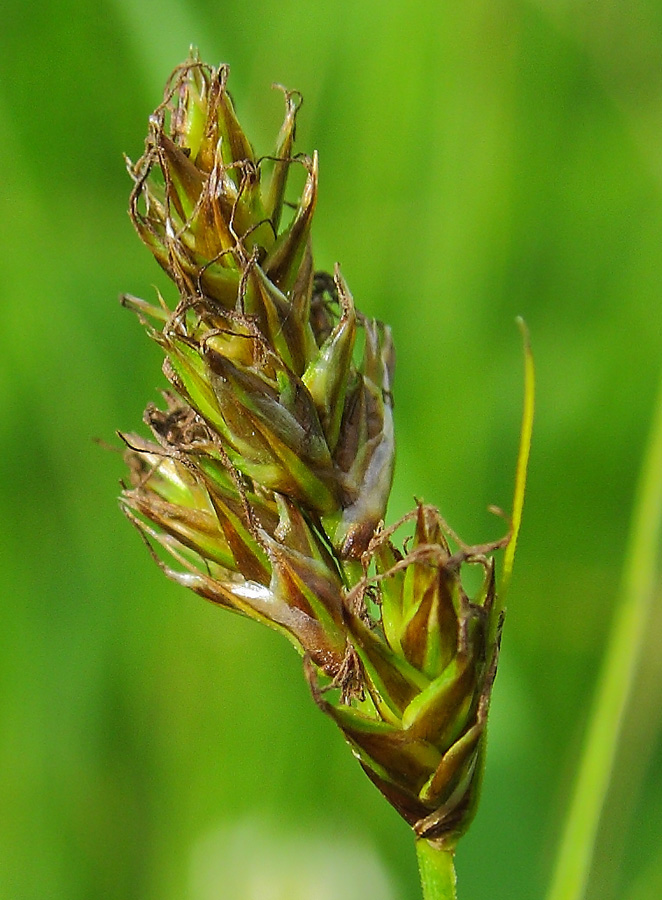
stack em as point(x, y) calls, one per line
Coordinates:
point(437, 868)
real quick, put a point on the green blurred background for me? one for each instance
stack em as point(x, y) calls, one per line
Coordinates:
point(479, 161)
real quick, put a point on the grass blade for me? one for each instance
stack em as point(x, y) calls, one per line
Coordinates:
point(640, 575)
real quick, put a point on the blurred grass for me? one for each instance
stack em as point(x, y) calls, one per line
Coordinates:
point(478, 162)
point(623, 659)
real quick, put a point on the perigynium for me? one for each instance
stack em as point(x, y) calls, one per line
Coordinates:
point(266, 482)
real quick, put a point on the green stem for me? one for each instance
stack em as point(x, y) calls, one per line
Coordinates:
point(526, 433)
point(437, 869)
point(616, 680)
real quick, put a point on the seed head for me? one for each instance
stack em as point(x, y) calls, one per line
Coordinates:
point(265, 483)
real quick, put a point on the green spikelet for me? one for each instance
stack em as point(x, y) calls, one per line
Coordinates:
point(265, 484)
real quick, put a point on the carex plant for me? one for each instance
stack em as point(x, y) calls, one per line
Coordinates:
point(265, 483)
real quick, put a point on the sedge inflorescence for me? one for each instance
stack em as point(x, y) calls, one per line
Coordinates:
point(265, 483)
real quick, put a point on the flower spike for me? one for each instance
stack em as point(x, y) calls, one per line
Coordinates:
point(265, 484)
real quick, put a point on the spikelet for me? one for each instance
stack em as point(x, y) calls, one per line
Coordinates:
point(266, 480)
